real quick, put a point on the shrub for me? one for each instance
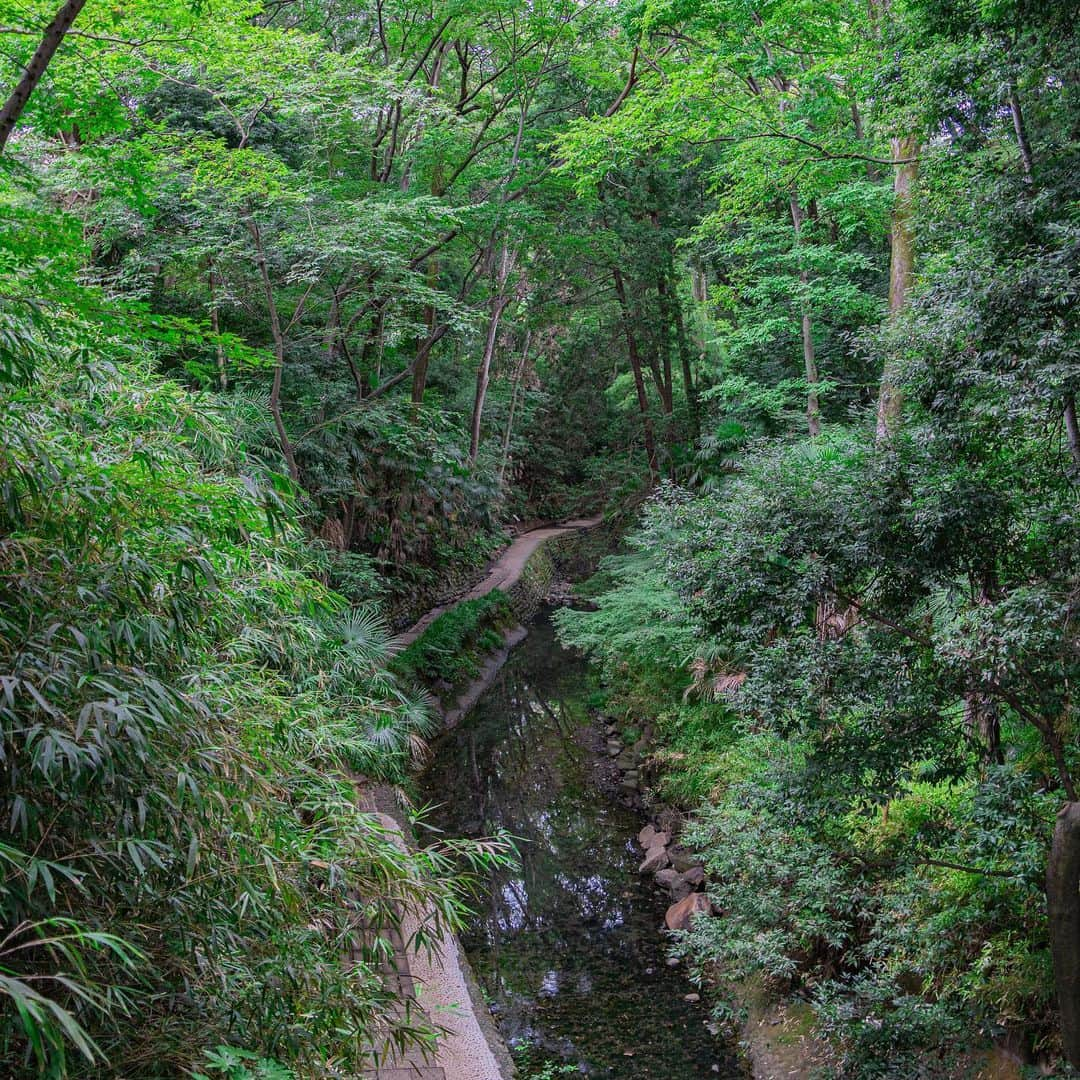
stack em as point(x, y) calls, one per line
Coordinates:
point(182, 707)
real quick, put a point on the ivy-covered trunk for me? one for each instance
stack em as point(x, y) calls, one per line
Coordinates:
point(1063, 908)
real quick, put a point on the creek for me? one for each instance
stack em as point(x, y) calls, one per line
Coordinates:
point(567, 948)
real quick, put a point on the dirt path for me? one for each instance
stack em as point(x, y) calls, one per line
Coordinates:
point(505, 571)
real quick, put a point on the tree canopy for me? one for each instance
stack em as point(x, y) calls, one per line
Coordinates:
point(305, 303)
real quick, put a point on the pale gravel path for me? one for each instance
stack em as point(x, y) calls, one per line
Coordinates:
point(505, 571)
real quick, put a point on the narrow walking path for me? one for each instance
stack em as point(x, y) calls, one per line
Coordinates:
point(435, 981)
point(505, 571)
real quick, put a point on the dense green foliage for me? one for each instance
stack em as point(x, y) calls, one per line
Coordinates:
point(302, 303)
point(859, 648)
point(449, 650)
point(183, 704)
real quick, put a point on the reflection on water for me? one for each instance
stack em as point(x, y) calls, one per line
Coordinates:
point(568, 949)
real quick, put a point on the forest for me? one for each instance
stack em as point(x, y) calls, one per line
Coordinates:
point(307, 305)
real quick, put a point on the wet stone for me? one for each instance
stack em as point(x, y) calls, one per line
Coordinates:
point(695, 876)
point(656, 858)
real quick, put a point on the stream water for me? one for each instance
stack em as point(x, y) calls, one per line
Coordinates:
point(568, 949)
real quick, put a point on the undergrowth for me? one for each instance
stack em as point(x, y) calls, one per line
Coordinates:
point(452, 648)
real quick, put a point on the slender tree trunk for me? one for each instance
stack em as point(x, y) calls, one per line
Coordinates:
point(689, 386)
point(1063, 908)
point(659, 357)
point(665, 380)
point(483, 373)
point(279, 350)
point(1027, 159)
point(813, 405)
point(215, 325)
point(372, 352)
point(513, 405)
point(699, 283)
point(51, 40)
point(671, 310)
point(420, 365)
point(1072, 429)
point(901, 270)
point(438, 189)
point(639, 381)
point(499, 303)
point(336, 343)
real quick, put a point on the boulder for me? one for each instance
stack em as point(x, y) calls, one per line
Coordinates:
point(695, 876)
point(656, 858)
point(680, 889)
point(650, 837)
point(683, 859)
point(672, 880)
point(680, 914)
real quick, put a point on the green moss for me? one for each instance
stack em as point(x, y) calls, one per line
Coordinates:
point(451, 648)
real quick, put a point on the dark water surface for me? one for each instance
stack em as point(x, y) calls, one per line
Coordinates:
point(568, 949)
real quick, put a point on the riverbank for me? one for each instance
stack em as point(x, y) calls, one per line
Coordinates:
point(568, 946)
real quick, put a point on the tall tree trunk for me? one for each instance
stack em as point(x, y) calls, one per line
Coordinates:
point(689, 386)
point(335, 342)
point(499, 304)
point(665, 381)
point(659, 355)
point(51, 40)
point(1072, 429)
point(371, 354)
point(513, 406)
point(1027, 159)
point(279, 349)
point(1063, 908)
point(420, 364)
point(215, 325)
point(901, 270)
point(671, 310)
point(438, 189)
point(813, 405)
point(639, 381)
point(699, 283)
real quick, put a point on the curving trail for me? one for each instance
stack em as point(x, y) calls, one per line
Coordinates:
point(505, 571)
